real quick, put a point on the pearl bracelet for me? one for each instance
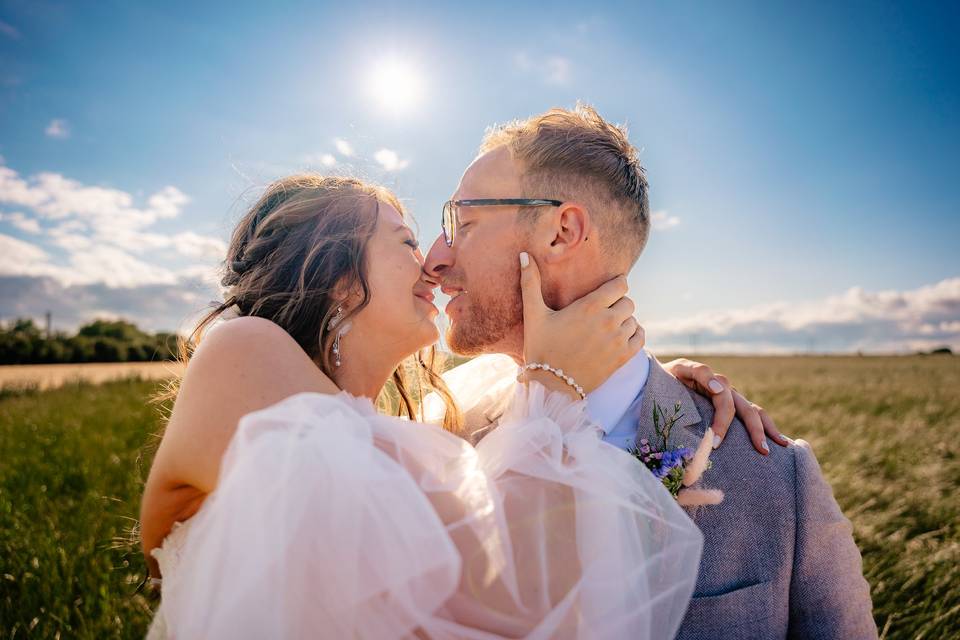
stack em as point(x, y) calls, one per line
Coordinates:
point(557, 372)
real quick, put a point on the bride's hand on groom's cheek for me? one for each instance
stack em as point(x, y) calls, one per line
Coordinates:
point(727, 403)
point(589, 339)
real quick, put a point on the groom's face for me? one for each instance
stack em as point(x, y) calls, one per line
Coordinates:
point(481, 270)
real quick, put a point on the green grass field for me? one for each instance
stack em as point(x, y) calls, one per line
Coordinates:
point(886, 432)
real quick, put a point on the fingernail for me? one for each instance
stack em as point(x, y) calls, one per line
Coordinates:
point(765, 446)
point(715, 386)
point(524, 260)
point(717, 439)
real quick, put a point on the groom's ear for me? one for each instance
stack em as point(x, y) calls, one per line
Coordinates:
point(567, 230)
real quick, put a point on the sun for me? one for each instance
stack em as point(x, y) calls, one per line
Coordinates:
point(395, 85)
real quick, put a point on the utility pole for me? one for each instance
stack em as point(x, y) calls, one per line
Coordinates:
point(49, 325)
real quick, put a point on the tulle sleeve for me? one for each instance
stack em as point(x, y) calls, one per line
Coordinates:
point(313, 531)
point(598, 547)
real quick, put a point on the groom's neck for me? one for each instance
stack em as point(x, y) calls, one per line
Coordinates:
point(565, 289)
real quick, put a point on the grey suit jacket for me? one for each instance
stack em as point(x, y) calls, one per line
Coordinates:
point(779, 558)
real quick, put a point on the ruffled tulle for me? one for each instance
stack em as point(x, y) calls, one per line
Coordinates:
point(330, 520)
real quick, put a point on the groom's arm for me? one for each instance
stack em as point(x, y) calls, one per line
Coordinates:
point(829, 597)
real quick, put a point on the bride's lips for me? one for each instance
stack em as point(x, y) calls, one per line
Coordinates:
point(427, 298)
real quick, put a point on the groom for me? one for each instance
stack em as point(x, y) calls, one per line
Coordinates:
point(779, 557)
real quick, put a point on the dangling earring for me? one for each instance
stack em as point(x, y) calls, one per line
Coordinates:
point(334, 321)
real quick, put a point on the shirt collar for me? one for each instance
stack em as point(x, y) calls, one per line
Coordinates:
point(607, 403)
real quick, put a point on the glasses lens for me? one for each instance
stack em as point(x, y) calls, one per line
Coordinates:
point(449, 225)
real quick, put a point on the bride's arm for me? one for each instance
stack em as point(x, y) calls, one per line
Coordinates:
point(244, 365)
point(727, 402)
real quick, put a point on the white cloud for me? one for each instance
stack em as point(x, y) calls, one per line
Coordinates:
point(117, 268)
point(56, 197)
point(320, 159)
point(22, 222)
point(58, 128)
point(554, 70)
point(389, 160)
point(16, 254)
point(344, 148)
point(883, 321)
point(87, 264)
point(661, 220)
point(101, 230)
point(194, 245)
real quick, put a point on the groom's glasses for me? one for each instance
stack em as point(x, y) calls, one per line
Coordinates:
point(451, 210)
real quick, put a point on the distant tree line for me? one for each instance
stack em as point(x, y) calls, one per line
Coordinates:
point(23, 342)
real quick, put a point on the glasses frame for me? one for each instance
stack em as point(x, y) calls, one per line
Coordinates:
point(451, 219)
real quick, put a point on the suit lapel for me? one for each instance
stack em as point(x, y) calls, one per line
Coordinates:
point(664, 391)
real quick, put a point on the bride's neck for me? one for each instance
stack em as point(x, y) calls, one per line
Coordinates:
point(363, 373)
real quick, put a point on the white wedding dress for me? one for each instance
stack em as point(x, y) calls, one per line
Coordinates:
point(333, 521)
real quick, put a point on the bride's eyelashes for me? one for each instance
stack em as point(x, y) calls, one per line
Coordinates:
point(413, 244)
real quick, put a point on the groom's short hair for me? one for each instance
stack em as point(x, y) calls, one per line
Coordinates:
point(574, 154)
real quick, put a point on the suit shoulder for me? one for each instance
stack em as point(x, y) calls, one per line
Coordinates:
point(737, 450)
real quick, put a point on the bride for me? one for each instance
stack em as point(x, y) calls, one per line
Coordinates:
point(282, 503)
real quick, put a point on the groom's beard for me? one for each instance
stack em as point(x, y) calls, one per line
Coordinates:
point(484, 323)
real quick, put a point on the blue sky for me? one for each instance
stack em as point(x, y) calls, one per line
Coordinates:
point(802, 159)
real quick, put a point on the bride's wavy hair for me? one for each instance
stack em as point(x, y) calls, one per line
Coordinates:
point(305, 238)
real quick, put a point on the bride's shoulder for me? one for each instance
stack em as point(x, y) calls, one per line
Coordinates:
point(250, 348)
point(241, 366)
point(246, 327)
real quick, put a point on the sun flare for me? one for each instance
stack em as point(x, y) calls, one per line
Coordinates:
point(395, 85)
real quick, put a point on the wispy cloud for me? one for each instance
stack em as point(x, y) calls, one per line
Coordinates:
point(882, 321)
point(20, 221)
point(389, 160)
point(344, 148)
point(661, 220)
point(9, 30)
point(58, 128)
point(554, 70)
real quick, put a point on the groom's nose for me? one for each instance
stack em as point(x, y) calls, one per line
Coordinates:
point(439, 259)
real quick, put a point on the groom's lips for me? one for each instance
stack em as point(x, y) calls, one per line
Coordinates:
point(455, 293)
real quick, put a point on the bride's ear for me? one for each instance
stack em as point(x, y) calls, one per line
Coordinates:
point(568, 230)
point(346, 294)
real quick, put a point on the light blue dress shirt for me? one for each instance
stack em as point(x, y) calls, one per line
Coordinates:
point(610, 404)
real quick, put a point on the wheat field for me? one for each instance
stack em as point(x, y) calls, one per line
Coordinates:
point(885, 429)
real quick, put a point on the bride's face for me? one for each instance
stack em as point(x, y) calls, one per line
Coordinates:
point(399, 317)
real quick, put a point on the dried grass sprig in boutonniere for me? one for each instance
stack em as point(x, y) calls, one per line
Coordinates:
point(678, 468)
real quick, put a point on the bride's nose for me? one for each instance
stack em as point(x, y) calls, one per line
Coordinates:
point(428, 280)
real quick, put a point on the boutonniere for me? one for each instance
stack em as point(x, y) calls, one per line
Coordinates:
point(678, 468)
